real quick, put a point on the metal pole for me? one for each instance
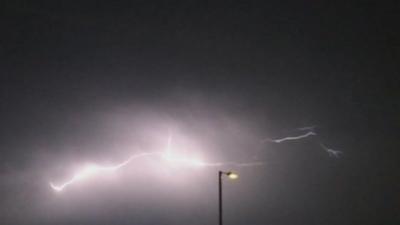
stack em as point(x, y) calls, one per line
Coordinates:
point(220, 196)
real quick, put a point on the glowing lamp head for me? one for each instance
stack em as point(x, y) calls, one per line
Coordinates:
point(232, 175)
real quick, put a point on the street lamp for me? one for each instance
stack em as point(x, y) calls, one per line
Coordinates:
point(231, 176)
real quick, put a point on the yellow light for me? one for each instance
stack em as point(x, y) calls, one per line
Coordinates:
point(233, 176)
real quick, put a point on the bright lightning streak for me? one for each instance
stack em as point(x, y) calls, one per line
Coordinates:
point(93, 170)
point(168, 155)
point(311, 132)
point(290, 138)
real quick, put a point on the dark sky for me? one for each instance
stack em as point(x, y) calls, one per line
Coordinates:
point(85, 81)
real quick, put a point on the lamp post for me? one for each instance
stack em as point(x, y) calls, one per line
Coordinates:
point(232, 176)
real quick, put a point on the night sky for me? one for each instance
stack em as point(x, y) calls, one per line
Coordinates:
point(99, 81)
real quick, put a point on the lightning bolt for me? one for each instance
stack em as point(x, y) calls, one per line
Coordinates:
point(311, 132)
point(290, 138)
point(93, 170)
point(169, 156)
point(331, 152)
